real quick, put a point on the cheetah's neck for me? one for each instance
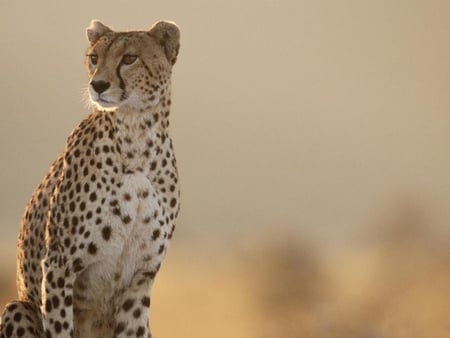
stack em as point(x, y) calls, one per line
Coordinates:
point(142, 136)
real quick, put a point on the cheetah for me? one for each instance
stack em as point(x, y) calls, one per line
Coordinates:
point(97, 228)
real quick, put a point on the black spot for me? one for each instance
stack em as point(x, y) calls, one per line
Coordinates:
point(126, 219)
point(128, 304)
point(171, 232)
point(92, 248)
point(137, 313)
point(173, 202)
point(119, 328)
point(17, 317)
point(9, 330)
point(12, 307)
point(140, 331)
point(68, 301)
point(150, 274)
point(161, 249)
point(60, 282)
point(92, 196)
point(77, 265)
point(106, 233)
point(58, 327)
point(156, 234)
point(20, 332)
point(146, 301)
point(55, 301)
point(49, 279)
point(48, 305)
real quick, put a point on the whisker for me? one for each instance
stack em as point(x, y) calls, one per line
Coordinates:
point(85, 98)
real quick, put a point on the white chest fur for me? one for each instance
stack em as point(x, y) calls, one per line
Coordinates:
point(138, 242)
point(138, 213)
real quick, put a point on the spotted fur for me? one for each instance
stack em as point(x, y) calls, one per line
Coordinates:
point(97, 228)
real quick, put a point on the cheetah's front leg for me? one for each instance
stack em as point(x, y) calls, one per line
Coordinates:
point(133, 307)
point(57, 297)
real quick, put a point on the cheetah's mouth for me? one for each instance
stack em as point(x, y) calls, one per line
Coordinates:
point(102, 102)
point(108, 100)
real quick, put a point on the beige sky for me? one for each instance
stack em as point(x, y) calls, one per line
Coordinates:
point(316, 116)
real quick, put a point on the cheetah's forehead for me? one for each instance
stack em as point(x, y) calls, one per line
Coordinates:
point(117, 43)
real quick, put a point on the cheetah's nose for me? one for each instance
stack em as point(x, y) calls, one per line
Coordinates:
point(100, 86)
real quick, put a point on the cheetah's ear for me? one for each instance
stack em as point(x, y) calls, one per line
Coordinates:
point(168, 35)
point(96, 30)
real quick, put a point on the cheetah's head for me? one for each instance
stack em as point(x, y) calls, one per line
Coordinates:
point(130, 70)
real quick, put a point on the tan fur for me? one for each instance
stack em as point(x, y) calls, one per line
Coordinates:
point(97, 228)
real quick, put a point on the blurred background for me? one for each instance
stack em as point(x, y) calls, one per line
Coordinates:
point(313, 145)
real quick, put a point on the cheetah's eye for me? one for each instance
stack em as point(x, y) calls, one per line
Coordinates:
point(129, 59)
point(93, 58)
